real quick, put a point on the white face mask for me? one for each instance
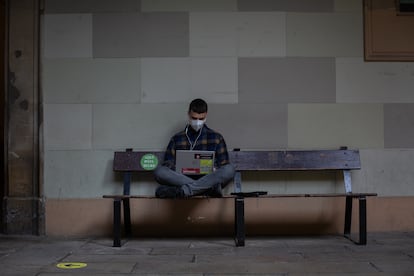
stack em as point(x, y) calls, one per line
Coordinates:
point(197, 124)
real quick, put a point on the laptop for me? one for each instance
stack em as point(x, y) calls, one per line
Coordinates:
point(194, 162)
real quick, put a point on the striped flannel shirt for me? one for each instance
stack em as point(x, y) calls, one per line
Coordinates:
point(208, 140)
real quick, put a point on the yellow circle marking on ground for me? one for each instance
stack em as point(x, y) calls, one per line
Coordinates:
point(71, 265)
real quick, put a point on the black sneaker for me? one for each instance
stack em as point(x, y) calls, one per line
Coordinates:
point(169, 192)
point(214, 191)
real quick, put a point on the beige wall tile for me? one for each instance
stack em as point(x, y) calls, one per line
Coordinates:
point(237, 34)
point(151, 34)
point(68, 126)
point(286, 80)
point(82, 6)
point(138, 126)
point(348, 5)
point(398, 125)
point(213, 34)
point(335, 125)
point(250, 126)
point(261, 34)
point(179, 80)
point(165, 80)
point(67, 35)
point(386, 172)
point(374, 82)
point(324, 34)
point(286, 5)
point(91, 81)
point(214, 79)
point(189, 5)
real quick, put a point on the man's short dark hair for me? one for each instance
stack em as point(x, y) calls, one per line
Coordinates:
point(198, 106)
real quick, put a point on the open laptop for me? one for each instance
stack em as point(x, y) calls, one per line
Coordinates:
point(194, 162)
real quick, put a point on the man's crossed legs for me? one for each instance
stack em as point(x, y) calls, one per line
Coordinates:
point(175, 185)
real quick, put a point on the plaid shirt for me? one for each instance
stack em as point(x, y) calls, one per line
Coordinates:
point(208, 140)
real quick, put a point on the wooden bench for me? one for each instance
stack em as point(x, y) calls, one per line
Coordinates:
point(344, 160)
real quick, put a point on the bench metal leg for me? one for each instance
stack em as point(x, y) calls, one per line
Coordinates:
point(348, 216)
point(127, 217)
point(362, 219)
point(239, 221)
point(117, 223)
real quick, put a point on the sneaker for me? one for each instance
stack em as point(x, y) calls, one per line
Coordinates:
point(169, 192)
point(214, 191)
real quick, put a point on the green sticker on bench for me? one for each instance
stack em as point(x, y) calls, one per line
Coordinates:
point(149, 161)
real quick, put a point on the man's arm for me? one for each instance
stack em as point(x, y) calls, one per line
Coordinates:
point(169, 157)
point(222, 156)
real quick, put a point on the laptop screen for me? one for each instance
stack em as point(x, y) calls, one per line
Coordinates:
point(194, 162)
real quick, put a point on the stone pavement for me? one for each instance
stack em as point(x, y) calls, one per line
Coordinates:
point(385, 254)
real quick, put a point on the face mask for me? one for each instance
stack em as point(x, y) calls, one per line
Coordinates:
point(197, 124)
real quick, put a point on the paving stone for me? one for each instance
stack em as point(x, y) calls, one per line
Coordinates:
point(43, 253)
point(397, 266)
point(19, 269)
point(93, 258)
point(191, 251)
point(385, 254)
point(105, 247)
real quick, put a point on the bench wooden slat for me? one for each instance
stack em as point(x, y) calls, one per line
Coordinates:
point(261, 160)
point(131, 160)
point(354, 195)
point(295, 160)
point(152, 197)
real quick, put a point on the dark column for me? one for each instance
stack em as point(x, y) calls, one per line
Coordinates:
point(23, 206)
